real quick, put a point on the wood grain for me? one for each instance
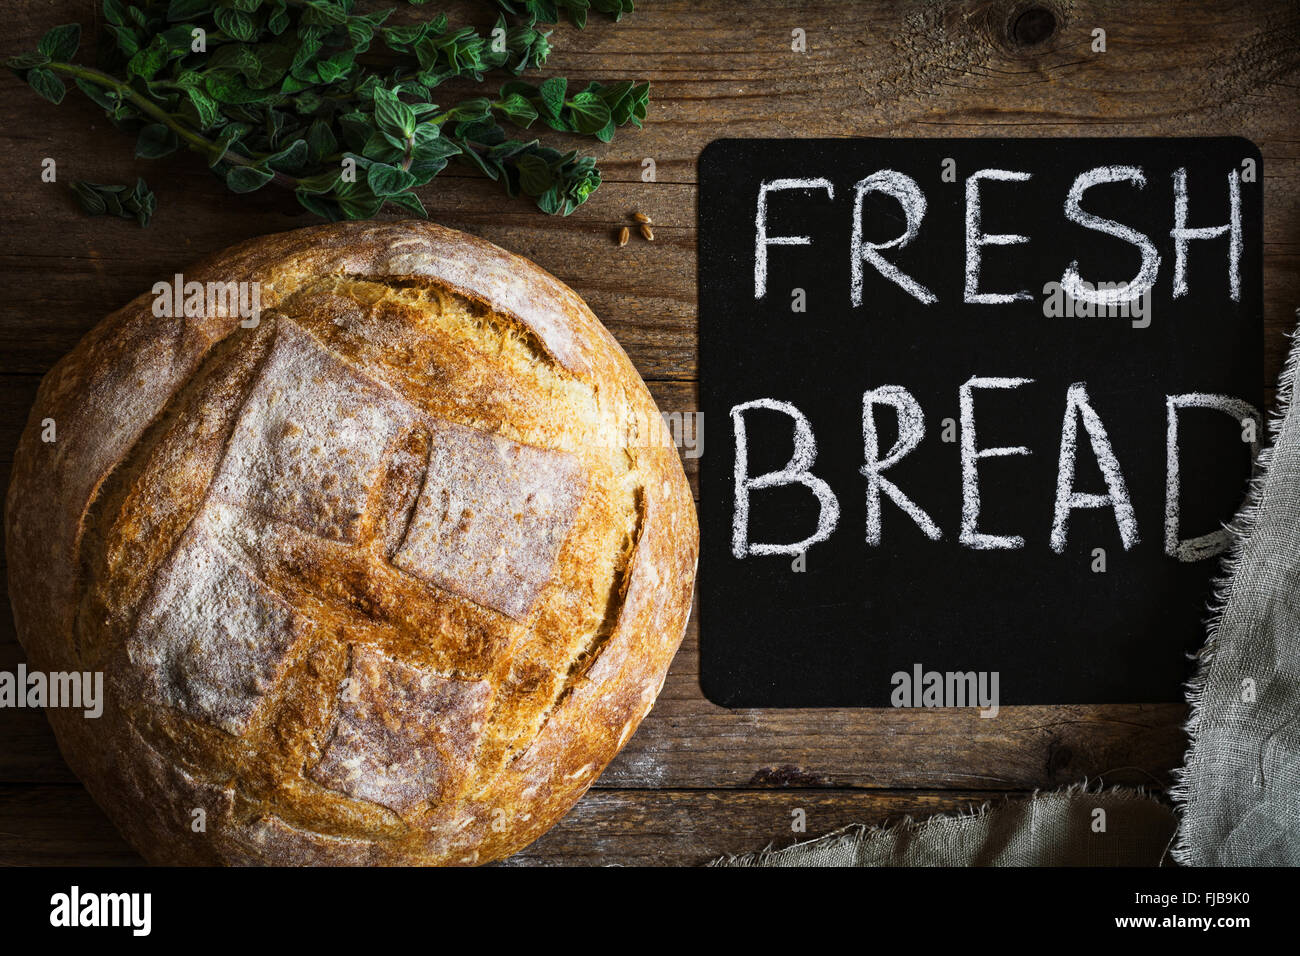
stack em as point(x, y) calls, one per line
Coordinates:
point(684, 788)
point(688, 742)
point(60, 825)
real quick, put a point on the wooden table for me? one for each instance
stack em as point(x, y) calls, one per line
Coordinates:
point(696, 780)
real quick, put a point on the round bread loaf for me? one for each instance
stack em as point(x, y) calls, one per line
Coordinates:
point(385, 574)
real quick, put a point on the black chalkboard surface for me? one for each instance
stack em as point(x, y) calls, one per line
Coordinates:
point(975, 407)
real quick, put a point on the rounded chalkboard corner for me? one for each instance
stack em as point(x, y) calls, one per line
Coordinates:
point(720, 696)
point(1248, 147)
point(715, 150)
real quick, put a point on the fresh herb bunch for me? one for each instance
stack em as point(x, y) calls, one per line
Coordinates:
point(335, 105)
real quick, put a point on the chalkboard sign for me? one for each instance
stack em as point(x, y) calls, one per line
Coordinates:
point(977, 410)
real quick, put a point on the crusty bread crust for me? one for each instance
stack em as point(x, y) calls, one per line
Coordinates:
point(388, 578)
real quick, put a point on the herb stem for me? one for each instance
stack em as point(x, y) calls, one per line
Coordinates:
point(292, 96)
point(195, 141)
point(142, 103)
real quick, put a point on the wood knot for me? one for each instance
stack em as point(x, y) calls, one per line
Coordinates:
point(1023, 28)
point(1058, 758)
point(1032, 26)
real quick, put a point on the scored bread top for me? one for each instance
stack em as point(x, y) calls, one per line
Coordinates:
point(388, 577)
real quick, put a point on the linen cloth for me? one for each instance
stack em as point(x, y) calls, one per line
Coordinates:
point(1060, 828)
point(1239, 791)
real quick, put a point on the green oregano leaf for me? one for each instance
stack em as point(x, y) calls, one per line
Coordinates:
point(386, 180)
point(281, 93)
point(89, 198)
point(247, 179)
point(187, 10)
point(552, 95)
point(96, 94)
point(205, 107)
point(235, 23)
point(535, 176)
point(61, 42)
point(230, 135)
point(321, 141)
point(155, 141)
point(392, 115)
point(129, 202)
point(26, 61)
point(518, 110)
point(127, 41)
point(114, 12)
point(291, 159)
point(590, 114)
point(411, 203)
point(47, 84)
point(148, 60)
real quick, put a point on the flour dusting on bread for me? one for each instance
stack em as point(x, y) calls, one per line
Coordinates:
point(408, 608)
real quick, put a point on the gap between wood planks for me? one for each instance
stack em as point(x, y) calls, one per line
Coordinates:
point(57, 824)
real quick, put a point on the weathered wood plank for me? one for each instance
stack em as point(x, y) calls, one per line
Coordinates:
point(645, 292)
point(61, 826)
point(688, 742)
point(58, 826)
point(692, 827)
point(873, 68)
